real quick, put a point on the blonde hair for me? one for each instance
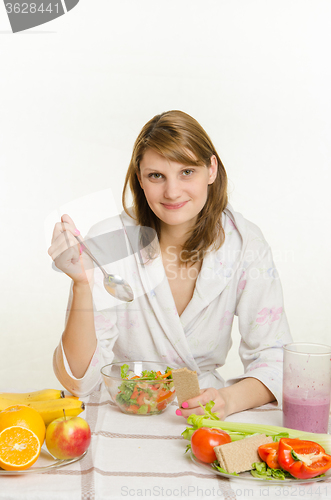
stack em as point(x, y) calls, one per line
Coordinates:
point(177, 137)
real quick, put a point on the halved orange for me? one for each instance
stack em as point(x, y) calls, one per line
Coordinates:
point(25, 417)
point(19, 448)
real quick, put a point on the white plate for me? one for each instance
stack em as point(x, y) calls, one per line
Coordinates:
point(248, 476)
point(44, 463)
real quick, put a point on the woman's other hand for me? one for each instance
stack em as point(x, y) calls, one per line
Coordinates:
point(66, 252)
point(192, 405)
point(247, 393)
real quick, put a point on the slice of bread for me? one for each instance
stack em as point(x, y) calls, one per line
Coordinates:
point(238, 456)
point(186, 384)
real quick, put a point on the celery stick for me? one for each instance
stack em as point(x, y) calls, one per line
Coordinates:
point(270, 430)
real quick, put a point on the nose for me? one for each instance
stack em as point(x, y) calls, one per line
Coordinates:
point(172, 189)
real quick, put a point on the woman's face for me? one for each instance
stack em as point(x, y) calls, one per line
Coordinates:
point(175, 193)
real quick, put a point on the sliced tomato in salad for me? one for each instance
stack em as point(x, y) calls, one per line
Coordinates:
point(141, 398)
point(135, 393)
point(133, 408)
point(161, 406)
point(144, 396)
point(155, 387)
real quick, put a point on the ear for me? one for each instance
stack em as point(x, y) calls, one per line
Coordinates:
point(212, 169)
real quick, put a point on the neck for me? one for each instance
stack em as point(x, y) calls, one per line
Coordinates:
point(173, 236)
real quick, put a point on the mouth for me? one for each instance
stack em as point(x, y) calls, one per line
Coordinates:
point(173, 206)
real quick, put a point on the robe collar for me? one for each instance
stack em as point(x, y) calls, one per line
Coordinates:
point(218, 269)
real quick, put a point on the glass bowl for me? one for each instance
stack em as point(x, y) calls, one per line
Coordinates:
point(138, 396)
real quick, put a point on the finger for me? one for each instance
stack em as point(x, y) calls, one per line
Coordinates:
point(63, 243)
point(181, 412)
point(197, 404)
point(64, 254)
point(65, 234)
point(67, 219)
point(60, 227)
point(206, 395)
point(65, 260)
point(68, 225)
point(198, 411)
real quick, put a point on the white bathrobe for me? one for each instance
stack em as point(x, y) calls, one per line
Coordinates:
point(238, 279)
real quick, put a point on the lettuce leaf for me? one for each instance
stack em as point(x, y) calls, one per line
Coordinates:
point(262, 471)
point(124, 371)
point(124, 396)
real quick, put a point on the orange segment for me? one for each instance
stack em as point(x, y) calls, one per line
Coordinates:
point(19, 448)
point(25, 417)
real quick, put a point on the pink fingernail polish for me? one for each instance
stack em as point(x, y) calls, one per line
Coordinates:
point(178, 412)
point(184, 405)
point(77, 232)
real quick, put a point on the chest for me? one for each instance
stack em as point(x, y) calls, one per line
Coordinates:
point(150, 326)
point(182, 282)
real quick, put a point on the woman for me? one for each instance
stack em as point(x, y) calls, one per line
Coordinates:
point(210, 263)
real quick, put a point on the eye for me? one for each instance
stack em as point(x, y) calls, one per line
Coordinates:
point(187, 172)
point(155, 175)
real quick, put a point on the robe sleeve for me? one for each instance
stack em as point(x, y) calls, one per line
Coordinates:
point(262, 323)
point(107, 334)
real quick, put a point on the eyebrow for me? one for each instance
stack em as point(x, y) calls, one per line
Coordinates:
point(147, 171)
point(156, 169)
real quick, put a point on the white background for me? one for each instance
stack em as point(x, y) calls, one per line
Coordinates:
point(74, 94)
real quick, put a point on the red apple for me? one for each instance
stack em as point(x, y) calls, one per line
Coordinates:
point(68, 437)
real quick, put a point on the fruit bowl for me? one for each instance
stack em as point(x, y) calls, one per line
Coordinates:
point(139, 387)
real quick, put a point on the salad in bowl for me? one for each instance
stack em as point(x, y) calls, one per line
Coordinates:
point(139, 387)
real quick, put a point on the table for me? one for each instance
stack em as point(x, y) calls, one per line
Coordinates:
point(143, 457)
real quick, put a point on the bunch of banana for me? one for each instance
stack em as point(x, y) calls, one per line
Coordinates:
point(25, 397)
point(50, 403)
point(52, 409)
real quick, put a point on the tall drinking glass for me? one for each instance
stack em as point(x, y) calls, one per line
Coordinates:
point(306, 386)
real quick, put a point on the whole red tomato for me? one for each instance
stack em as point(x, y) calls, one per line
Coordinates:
point(203, 441)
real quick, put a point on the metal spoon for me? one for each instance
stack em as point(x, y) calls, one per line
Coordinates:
point(114, 284)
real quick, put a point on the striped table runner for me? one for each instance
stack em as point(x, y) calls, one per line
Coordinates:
point(144, 457)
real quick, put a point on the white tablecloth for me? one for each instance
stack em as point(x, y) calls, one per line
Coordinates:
point(143, 457)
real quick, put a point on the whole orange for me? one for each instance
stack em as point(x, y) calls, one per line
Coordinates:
point(25, 417)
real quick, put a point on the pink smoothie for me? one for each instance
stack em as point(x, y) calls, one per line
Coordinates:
point(306, 415)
